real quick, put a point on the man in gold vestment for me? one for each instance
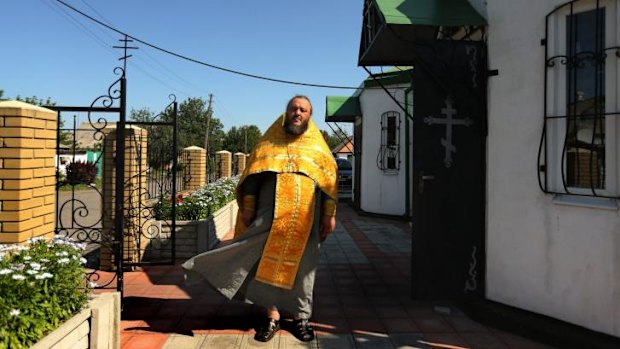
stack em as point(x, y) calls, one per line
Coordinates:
point(287, 198)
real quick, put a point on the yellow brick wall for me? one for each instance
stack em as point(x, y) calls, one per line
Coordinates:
point(27, 171)
point(195, 166)
point(223, 164)
point(239, 163)
point(136, 166)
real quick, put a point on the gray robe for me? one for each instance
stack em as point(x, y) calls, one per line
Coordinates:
point(231, 269)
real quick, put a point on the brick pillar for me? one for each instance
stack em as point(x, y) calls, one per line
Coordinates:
point(134, 193)
point(223, 164)
point(27, 171)
point(240, 163)
point(194, 167)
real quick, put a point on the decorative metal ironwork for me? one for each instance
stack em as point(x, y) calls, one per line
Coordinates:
point(79, 215)
point(151, 188)
point(572, 150)
point(116, 223)
point(470, 283)
point(388, 158)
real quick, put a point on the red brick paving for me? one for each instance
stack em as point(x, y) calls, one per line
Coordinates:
point(349, 298)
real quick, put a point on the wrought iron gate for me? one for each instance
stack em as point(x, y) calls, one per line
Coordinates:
point(128, 222)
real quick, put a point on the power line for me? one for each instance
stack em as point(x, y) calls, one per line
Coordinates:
point(193, 60)
point(171, 74)
point(69, 17)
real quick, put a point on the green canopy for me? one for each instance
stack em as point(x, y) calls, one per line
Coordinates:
point(342, 108)
point(429, 12)
point(391, 27)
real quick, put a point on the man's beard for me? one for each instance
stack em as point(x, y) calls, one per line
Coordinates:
point(295, 130)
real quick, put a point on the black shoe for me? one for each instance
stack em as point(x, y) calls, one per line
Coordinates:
point(302, 330)
point(266, 331)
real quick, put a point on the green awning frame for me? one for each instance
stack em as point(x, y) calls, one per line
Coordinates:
point(342, 108)
point(391, 28)
point(449, 13)
point(392, 76)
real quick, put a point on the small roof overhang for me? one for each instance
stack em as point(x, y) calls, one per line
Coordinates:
point(393, 76)
point(342, 108)
point(391, 27)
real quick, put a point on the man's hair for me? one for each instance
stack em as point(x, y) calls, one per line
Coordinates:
point(302, 97)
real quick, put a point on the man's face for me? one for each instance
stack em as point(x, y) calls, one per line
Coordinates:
point(298, 113)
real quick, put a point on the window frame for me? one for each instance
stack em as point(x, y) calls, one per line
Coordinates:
point(552, 159)
point(388, 158)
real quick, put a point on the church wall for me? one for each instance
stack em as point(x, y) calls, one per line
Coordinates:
point(381, 192)
point(542, 256)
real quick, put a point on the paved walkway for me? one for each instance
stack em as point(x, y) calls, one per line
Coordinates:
point(361, 301)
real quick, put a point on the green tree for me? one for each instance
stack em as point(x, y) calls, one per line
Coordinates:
point(242, 139)
point(335, 138)
point(159, 136)
point(192, 118)
point(65, 137)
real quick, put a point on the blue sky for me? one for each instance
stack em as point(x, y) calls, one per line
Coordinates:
point(50, 51)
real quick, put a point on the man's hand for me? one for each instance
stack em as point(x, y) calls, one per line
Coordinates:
point(328, 224)
point(247, 217)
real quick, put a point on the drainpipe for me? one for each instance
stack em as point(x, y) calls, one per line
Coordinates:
point(407, 154)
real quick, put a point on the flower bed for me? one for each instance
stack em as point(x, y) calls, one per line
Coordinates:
point(200, 204)
point(42, 285)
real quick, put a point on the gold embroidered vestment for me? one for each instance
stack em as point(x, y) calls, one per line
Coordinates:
point(301, 163)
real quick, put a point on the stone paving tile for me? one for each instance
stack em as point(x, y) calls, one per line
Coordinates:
point(185, 342)
point(372, 341)
point(290, 342)
point(483, 341)
point(362, 300)
point(409, 341)
point(335, 341)
point(223, 341)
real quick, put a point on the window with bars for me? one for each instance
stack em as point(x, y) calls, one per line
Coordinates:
point(579, 147)
point(388, 158)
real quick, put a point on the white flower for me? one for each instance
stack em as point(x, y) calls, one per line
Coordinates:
point(92, 284)
point(64, 260)
point(5, 271)
point(31, 272)
point(35, 266)
point(27, 258)
point(47, 275)
point(19, 267)
point(44, 260)
point(18, 277)
point(14, 312)
point(83, 260)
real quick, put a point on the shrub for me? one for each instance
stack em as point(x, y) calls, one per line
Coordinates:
point(199, 204)
point(42, 285)
point(79, 172)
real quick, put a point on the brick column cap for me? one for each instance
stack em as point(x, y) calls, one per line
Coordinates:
point(222, 152)
point(193, 147)
point(19, 108)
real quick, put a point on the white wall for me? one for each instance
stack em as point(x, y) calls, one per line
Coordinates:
point(381, 192)
point(557, 260)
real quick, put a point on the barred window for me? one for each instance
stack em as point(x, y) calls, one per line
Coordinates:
point(579, 148)
point(389, 154)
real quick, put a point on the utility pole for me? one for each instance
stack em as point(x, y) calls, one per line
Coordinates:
point(208, 130)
